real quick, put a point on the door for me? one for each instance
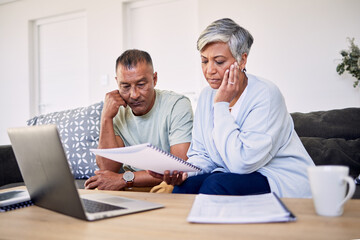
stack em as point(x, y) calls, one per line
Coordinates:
point(167, 30)
point(60, 67)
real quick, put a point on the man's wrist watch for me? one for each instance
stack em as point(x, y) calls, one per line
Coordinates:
point(129, 176)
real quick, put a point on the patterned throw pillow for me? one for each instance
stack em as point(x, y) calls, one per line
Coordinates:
point(79, 131)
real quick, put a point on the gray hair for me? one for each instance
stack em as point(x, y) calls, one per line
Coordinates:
point(130, 58)
point(226, 30)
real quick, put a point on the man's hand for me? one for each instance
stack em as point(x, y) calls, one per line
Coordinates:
point(176, 178)
point(105, 180)
point(112, 103)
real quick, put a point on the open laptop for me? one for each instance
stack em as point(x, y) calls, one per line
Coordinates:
point(48, 178)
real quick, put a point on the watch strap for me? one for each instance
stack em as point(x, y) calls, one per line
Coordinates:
point(129, 184)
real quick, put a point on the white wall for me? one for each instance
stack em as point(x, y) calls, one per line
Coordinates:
point(297, 45)
point(104, 43)
point(178, 68)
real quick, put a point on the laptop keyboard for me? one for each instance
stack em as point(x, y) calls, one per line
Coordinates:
point(94, 207)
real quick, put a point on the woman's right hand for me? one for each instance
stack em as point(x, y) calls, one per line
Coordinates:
point(232, 85)
point(112, 103)
point(176, 178)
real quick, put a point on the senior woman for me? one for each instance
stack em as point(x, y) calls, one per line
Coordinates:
point(243, 136)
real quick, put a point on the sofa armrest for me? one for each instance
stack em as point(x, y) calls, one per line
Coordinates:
point(9, 169)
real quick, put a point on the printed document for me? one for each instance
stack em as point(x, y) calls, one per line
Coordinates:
point(239, 209)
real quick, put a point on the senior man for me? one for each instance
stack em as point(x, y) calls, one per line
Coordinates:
point(138, 113)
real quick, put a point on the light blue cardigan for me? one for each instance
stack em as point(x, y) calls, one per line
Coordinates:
point(261, 138)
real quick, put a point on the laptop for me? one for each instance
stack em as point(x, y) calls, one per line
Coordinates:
point(50, 183)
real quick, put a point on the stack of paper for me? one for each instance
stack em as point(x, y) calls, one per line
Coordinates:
point(14, 199)
point(239, 209)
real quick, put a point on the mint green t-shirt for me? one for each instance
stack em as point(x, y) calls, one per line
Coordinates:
point(168, 123)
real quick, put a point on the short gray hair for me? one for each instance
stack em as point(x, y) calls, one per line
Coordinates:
point(131, 57)
point(226, 30)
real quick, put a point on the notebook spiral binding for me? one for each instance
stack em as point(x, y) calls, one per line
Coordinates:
point(16, 206)
point(174, 157)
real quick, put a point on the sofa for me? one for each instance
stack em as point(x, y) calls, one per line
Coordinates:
point(330, 137)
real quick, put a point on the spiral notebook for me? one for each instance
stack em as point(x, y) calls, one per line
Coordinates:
point(14, 199)
point(148, 157)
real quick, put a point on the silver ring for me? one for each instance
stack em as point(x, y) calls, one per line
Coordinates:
point(231, 83)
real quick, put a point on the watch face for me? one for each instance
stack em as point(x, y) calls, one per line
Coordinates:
point(128, 176)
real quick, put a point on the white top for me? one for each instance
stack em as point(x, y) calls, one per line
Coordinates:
point(237, 106)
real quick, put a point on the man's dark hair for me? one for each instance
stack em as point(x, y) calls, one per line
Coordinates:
point(130, 58)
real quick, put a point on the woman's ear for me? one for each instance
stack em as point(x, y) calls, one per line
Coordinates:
point(243, 61)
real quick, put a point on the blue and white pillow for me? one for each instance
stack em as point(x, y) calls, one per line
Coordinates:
point(79, 131)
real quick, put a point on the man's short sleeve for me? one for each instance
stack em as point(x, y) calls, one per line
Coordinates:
point(181, 122)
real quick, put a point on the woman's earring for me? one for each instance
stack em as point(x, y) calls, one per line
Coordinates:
point(243, 70)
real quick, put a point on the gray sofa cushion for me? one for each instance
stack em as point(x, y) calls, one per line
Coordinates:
point(334, 151)
point(339, 123)
point(79, 131)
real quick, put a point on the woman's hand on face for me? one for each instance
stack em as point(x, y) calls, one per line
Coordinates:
point(231, 85)
point(176, 178)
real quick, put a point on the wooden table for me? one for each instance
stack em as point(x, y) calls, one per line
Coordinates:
point(170, 223)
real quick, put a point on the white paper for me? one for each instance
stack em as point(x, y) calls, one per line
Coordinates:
point(147, 157)
point(14, 199)
point(238, 209)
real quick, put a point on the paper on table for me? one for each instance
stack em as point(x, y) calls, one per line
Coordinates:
point(14, 199)
point(148, 157)
point(239, 209)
